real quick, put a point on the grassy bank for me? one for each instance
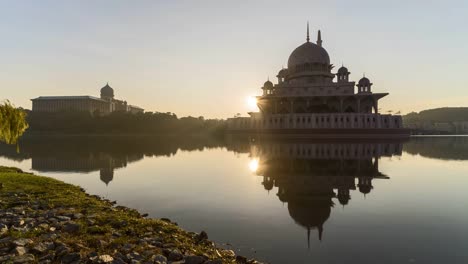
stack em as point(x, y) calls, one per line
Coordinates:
point(43, 219)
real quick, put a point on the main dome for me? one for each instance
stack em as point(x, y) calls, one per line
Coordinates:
point(308, 53)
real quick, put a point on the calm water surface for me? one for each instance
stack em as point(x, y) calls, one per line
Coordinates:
point(281, 202)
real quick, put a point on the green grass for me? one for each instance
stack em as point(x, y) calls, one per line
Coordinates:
point(68, 198)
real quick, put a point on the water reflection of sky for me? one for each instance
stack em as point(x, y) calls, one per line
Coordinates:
point(417, 215)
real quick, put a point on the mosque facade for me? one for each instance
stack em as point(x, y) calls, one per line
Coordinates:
point(309, 98)
point(105, 104)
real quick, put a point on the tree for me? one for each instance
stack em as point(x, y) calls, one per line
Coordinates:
point(12, 123)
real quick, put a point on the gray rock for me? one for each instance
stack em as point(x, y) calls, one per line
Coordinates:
point(71, 228)
point(26, 258)
point(216, 261)
point(175, 255)
point(20, 229)
point(119, 255)
point(46, 259)
point(3, 229)
point(194, 259)
point(229, 253)
point(72, 257)
point(134, 256)
point(6, 240)
point(106, 258)
point(160, 259)
point(127, 247)
point(42, 247)
point(63, 218)
point(43, 226)
point(118, 261)
point(20, 251)
point(61, 250)
point(202, 236)
point(241, 259)
point(22, 242)
point(77, 216)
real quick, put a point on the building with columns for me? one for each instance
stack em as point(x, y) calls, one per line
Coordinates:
point(309, 98)
point(103, 105)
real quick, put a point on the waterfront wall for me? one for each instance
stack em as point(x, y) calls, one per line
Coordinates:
point(322, 121)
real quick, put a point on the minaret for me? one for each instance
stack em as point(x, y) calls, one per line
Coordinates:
point(308, 38)
point(319, 39)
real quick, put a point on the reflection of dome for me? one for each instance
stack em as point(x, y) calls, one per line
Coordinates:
point(107, 174)
point(365, 189)
point(308, 53)
point(311, 214)
point(107, 91)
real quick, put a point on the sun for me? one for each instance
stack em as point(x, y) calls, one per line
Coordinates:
point(252, 103)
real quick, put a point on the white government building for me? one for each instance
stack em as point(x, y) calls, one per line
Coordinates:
point(84, 103)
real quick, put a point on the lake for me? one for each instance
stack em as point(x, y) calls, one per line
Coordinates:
point(282, 201)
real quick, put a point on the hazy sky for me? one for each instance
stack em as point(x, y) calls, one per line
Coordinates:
point(205, 57)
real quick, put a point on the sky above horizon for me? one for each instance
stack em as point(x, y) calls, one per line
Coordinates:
point(205, 58)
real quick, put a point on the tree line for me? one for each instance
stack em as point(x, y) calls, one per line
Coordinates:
point(122, 123)
point(446, 114)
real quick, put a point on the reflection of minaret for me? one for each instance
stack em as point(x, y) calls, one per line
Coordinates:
point(343, 196)
point(106, 175)
point(268, 183)
point(365, 185)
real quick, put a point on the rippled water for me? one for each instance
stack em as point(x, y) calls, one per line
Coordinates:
point(281, 202)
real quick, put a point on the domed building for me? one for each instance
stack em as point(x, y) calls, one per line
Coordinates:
point(84, 103)
point(309, 98)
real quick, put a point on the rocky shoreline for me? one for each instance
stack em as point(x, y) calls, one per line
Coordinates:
point(43, 220)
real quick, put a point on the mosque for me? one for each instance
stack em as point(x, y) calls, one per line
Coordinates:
point(104, 105)
point(309, 100)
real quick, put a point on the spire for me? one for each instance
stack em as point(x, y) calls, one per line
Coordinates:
point(308, 38)
point(319, 39)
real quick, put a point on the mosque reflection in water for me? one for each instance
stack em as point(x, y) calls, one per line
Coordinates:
point(309, 176)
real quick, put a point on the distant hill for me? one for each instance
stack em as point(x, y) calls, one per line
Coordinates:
point(447, 120)
point(445, 114)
